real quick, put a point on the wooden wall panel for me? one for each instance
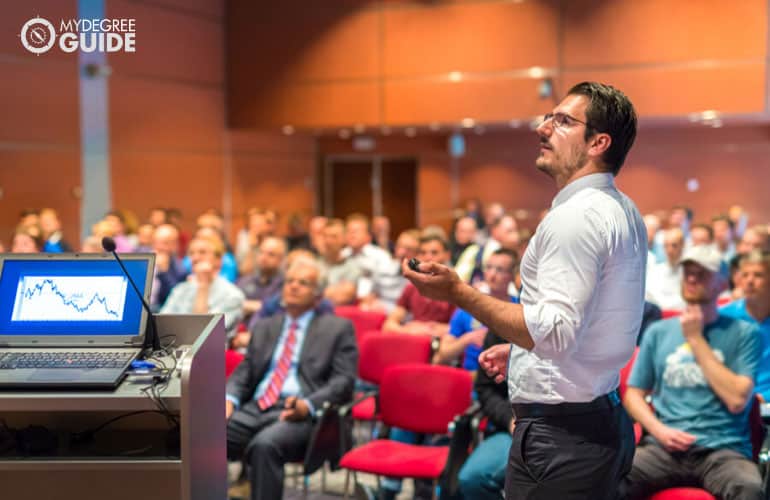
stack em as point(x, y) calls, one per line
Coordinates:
point(190, 182)
point(493, 99)
point(736, 88)
point(213, 9)
point(170, 44)
point(322, 104)
point(475, 37)
point(39, 102)
point(627, 32)
point(36, 178)
point(158, 115)
point(15, 14)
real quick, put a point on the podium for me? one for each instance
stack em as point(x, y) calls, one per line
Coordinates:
point(137, 456)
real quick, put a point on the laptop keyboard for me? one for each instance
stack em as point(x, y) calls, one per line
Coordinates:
point(101, 359)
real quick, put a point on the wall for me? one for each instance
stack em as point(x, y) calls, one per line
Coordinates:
point(345, 62)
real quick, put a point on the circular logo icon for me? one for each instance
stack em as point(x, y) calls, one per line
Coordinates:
point(38, 35)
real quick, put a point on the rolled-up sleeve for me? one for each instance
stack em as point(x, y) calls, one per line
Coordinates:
point(571, 245)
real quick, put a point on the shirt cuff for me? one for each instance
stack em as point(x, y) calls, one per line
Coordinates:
point(235, 401)
point(310, 408)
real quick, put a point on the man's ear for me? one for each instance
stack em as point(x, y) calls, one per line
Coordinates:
point(600, 143)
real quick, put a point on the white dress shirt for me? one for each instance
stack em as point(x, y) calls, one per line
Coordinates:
point(582, 293)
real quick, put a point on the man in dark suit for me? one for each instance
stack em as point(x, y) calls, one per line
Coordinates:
point(296, 361)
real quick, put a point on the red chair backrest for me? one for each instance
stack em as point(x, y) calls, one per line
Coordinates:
point(424, 398)
point(670, 313)
point(363, 321)
point(378, 352)
point(232, 360)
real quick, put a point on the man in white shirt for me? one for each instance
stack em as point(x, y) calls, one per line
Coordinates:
point(664, 282)
point(370, 258)
point(581, 308)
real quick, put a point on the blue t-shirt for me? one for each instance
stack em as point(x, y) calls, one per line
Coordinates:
point(460, 324)
point(738, 310)
point(680, 393)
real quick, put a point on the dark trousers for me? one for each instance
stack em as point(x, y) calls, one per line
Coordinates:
point(567, 457)
point(265, 444)
point(723, 473)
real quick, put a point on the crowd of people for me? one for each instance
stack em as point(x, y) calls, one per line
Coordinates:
point(278, 292)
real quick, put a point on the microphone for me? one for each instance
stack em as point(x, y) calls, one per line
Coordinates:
point(151, 339)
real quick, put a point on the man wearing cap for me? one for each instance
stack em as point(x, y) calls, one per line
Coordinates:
point(700, 369)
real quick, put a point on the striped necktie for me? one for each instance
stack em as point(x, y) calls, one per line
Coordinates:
point(273, 391)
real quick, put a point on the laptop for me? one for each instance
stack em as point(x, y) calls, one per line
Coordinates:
point(70, 321)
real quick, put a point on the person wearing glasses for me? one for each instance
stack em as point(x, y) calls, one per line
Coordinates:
point(466, 334)
point(581, 307)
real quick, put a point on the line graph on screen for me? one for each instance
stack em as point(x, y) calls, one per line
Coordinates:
point(70, 298)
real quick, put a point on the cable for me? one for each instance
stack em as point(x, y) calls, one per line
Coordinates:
point(89, 433)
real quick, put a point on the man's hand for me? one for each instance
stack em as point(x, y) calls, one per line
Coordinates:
point(494, 361)
point(672, 439)
point(692, 321)
point(295, 409)
point(512, 426)
point(435, 281)
point(229, 409)
point(241, 340)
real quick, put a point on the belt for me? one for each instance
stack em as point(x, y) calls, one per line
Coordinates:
point(603, 403)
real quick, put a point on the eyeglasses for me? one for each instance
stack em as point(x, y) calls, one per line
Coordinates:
point(498, 269)
point(562, 120)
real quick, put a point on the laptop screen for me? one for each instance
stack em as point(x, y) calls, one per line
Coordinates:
point(83, 295)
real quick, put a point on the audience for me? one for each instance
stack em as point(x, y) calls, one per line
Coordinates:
point(502, 233)
point(206, 291)
point(699, 369)
point(51, 231)
point(169, 269)
point(414, 313)
point(463, 236)
point(466, 334)
point(295, 363)
point(754, 307)
point(664, 279)
point(724, 236)
point(388, 284)
point(343, 272)
point(266, 281)
point(369, 258)
point(754, 238)
point(27, 239)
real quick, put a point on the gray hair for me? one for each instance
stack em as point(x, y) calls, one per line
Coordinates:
point(303, 261)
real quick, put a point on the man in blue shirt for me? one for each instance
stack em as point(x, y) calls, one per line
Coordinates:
point(466, 334)
point(700, 370)
point(754, 307)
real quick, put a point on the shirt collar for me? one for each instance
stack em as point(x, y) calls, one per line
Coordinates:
point(598, 181)
point(303, 321)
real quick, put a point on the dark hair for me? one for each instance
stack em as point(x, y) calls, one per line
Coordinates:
point(687, 211)
point(509, 253)
point(724, 218)
point(707, 227)
point(427, 238)
point(609, 111)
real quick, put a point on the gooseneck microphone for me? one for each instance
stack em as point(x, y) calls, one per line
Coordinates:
point(151, 339)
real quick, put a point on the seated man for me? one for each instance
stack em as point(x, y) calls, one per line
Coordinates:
point(266, 280)
point(700, 369)
point(296, 361)
point(664, 281)
point(206, 291)
point(755, 308)
point(482, 477)
point(343, 272)
point(387, 284)
point(169, 270)
point(427, 316)
point(466, 334)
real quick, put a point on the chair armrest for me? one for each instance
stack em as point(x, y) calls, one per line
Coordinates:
point(460, 440)
point(330, 439)
point(344, 410)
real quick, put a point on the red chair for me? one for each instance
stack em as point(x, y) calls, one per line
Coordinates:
point(420, 398)
point(670, 313)
point(364, 322)
point(232, 360)
point(379, 352)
